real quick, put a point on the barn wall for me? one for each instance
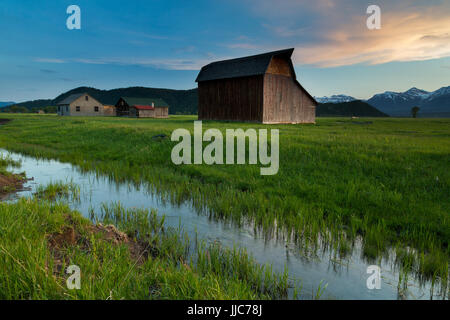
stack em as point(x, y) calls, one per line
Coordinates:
point(279, 66)
point(132, 112)
point(238, 99)
point(63, 110)
point(146, 113)
point(109, 111)
point(86, 107)
point(158, 112)
point(122, 109)
point(161, 112)
point(285, 101)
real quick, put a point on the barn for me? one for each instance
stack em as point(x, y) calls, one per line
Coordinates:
point(261, 88)
point(142, 108)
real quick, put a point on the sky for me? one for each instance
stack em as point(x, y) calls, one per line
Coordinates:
point(164, 43)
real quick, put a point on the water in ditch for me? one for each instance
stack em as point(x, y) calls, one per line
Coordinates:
point(345, 279)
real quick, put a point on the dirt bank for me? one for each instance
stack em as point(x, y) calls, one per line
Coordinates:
point(10, 182)
point(76, 235)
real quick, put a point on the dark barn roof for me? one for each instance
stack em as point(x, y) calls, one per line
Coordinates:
point(240, 67)
point(145, 102)
point(71, 98)
point(246, 67)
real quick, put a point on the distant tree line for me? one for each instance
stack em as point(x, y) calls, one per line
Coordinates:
point(355, 108)
point(23, 109)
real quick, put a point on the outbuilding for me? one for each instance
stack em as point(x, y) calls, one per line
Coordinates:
point(261, 88)
point(142, 108)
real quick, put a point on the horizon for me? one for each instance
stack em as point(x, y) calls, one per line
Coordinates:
point(50, 98)
point(164, 44)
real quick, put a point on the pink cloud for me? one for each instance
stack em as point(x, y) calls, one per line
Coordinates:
point(331, 33)
point(402, 37)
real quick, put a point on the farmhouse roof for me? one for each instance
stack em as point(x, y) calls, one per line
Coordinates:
point(142, 102)
point(144, 107)
point(240, 67)
point(71, 98)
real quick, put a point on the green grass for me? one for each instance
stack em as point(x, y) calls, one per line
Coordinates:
point(6, 161)
point(386, 180)
point(8, 180)
point(29, 263)
point(58, 190)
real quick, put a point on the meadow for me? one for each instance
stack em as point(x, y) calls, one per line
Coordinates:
point(126, 254)
point(383, 180)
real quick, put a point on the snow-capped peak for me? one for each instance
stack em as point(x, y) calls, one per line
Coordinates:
point(414, 92)
point(411, 94)
point(337, 98)
point(440, 92)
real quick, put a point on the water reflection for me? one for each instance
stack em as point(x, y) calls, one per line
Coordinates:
point(346, 279)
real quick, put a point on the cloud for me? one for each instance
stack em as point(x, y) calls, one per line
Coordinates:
point(49, 60)
point(149, 36)
point(402, 37)
point(292, 8)
point(243, 42)
point(168, 64)
point(242, 38)
point(185, 49)
point(445, 36)
point(243, 45)
point(47, 71)
point(331, 33)
point(286, 32)
point(160, 63)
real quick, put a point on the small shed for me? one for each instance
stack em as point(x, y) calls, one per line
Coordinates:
point(142, 108)
point(261, 88)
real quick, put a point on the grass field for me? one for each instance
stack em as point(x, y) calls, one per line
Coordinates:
point(140, 259)
point(386, 180)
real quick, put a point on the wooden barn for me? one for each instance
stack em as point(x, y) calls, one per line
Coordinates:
point(142, 108)
point(261, 88)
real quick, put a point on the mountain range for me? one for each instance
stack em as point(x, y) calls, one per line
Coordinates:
point(6, 103)
point(434, 103)
point(338, 98)
point(400, 103)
